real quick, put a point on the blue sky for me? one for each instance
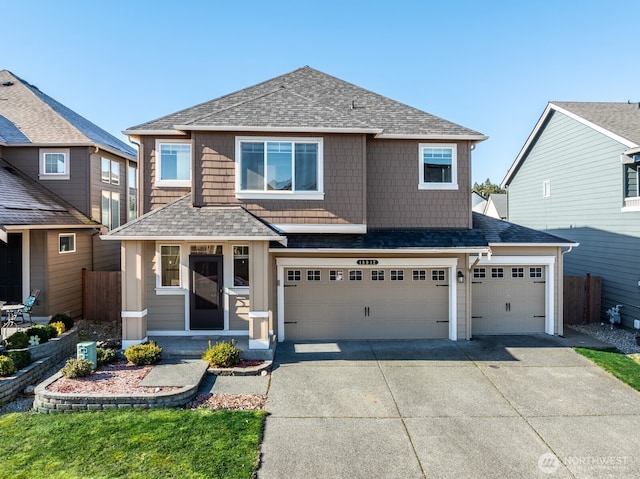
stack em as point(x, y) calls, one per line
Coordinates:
point(488, 65)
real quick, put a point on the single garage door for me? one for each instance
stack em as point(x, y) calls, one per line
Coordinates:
point(508, 300)
point(345, 303)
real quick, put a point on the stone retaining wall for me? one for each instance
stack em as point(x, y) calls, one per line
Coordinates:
point(53, 402)
point(43, 357)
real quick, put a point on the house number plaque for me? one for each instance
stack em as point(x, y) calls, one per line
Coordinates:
point(367, 261)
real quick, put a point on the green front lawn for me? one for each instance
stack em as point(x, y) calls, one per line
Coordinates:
point(156, 443)
point(621, 366)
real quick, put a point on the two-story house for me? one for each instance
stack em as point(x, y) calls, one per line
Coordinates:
point(62, 179)
point(306, 207)
point(577, 176)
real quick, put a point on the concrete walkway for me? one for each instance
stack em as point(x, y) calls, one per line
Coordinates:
point(507, 407)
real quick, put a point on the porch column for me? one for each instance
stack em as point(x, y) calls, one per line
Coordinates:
point(259, 295)
point(134, 298)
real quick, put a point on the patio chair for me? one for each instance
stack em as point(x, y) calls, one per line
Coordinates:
point(28, 305)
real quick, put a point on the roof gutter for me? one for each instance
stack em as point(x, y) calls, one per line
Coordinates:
point(278, 129)
point(117, 237)
point(327, 251)
point(72, 145)
point(429, 136)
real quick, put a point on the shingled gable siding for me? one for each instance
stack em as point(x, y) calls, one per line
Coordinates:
point(74, 190)
point(153, 196)
point(393, 197)
point(343, 181)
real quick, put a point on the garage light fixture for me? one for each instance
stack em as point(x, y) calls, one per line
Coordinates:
point(460, 277)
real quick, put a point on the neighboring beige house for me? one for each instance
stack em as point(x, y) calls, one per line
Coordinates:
point(62, 176)
point(496, 206)
point(307, 208)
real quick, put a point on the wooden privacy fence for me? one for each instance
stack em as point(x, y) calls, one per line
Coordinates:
point(101, 295)
point(582, 297)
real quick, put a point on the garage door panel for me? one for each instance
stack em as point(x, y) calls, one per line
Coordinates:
point(376, 307)
point(508, 300)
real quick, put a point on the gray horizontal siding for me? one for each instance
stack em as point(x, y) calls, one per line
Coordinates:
point(587, 191)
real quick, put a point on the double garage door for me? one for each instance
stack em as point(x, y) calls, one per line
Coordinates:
point(403, 303)
point(352, 303)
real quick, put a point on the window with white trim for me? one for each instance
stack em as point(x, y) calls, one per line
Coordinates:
point(173, 163)
point(132, 193)
point(377, 275)
point(479, 273)
point(169, 266)
point(497, 272)
point(110, 171)
point(206, 249)
point(66, 243)
point(419, 275)
point(396, 275)
point(438, 166)
point(111, 209)
point(535, 272)
point(517, 272)
point(355, 275)
point(313, 275)
point(336, 275)
point(294, 275)
point(438, 275)
point(279, 167)
point(241, 266)
point(546, 188)
point(54, 164)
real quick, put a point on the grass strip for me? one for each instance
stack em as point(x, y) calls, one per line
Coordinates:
point(618, 364)
point(155, 443)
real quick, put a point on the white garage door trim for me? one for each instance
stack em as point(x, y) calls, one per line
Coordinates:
point(548, 261)
point(450, 263)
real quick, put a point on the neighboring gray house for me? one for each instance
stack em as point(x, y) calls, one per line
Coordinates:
point(308, 208)
point(74, 167)
point(577, 177)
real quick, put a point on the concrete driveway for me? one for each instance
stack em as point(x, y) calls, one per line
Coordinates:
point(508, 407)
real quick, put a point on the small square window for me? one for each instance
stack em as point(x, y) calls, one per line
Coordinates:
point(54, 164)
point(173, 164)
point(546, 188)
point(377, 275)
point(355, 275)
point(294, 275)
point(336, 275)
point(517, 272)
point(419, 274)
point(438, 275)
point(535, 272)
point(396, 275)
point(438, 166)
point(479, 273)
point(66, 243)
point(497, 272)
point(313, 275)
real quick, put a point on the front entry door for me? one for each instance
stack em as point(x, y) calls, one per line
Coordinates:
point(206, 292)
point(11, 268)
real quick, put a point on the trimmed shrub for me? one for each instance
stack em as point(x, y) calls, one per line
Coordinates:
point(7, 367)
point(21, 359)
point(65, 318)
point(18, 340)
point(77, 368)
point(59, 327)
point(41, 331)
point(143, 354)
point(105, 356)
point(52, 332)
point(224, 354)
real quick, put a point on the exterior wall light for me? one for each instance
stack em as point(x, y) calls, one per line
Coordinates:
point(460, 277)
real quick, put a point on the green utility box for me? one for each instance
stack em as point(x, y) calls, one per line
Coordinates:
point(88, 351)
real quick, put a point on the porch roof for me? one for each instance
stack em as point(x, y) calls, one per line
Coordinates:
point(181, 221)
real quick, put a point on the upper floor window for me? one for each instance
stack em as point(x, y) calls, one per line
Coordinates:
point(66, 243)
point(110, 171)
point(279, 167)
point(173, 163)
point(631, 185)
point(111, 209)
point(438, 166)
point(54, 164)
point(132, 193)
point(546, 188)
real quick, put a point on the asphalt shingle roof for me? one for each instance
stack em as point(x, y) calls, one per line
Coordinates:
point(622, 119)
point(24, 202)
point(486, 231)
point(311, 99)
point(43, 120)
point(180, 219)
